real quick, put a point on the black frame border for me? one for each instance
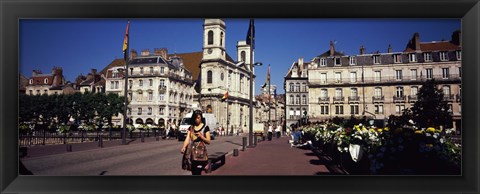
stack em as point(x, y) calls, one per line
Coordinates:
point(11, 11)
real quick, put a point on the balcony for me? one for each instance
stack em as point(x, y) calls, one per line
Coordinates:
point(378, 98)
point(338, 99)
point(324, 100)
point(448, 97)
point(162, 89)
point(412, 98)
point(353, 99)
point(399, 98)
point(383, 79)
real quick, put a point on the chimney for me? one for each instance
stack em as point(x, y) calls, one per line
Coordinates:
point(36, 72)
point(457, 38)
point(94, 71)
point(163, 52)
point(332, 48)
point(145, 53)
point(300, 62)
point(416, 39)
point(362, 50)
point(133, 54)
point(389, 48)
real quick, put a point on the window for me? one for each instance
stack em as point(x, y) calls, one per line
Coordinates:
point(304, 86)
point(129, 111)
point(297, 88)
point(31, 81)
point(130, 96)
point(292, 87)
point(141, 70)
point(414, 91)
point(140, 83)
point(292, 99)
point(162, 83)
point(161, 110)
point(242, 56)
point(45, 91)
point(450, 108)
point(429, 73)
point(339, 109)
point(38, 92)
point(114, 74)
point(210, 37)
point(445, 73)
point(399, 91)
point(323, 62)
point(323, 78)
point(446, 91)
point(304, 99)
point(413, 74)
point(397, 58)
point(117, 84)
point(338, 92)
point(85, 90)
point(353, 76)
point(377, 76)
point(292, 113)
point(378, 92)
point(149, 112)
point(297, 99)
point(378, 109)
point(30, 92)
point(130, 84)
point(139, 111)
point(162, 70)
point(398, 74)
point(352, 60)
point(354, 92)
point(221, 38)
point(337, 61)
point(338, 77)
point(459, 55)
point(459, 71)
point(112, 85)
point(412, 57)
point(45, 81)
point(427, 56)
point(376, 59)
point(209, 77)
point(150, 82)
point(354, 109)
point(443, 56)
point(324, 93)
point(150, 96)
point(324, 109)
point(151, 70)
point(161, 97)
point(399, 109)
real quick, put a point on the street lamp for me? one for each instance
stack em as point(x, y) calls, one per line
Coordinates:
point(250, 129)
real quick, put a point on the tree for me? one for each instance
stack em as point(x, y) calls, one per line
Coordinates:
point(431, 110)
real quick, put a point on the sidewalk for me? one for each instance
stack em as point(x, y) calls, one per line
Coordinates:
point(276, 157)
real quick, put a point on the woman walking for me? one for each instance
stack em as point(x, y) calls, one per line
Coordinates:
point(198, 134)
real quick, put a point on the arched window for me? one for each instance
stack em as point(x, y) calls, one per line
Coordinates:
point(221, 39)
point(45, 81)
point(242, 56)
point(210, 37)
point(292, 99)
point(209, 77)
point(291, 87)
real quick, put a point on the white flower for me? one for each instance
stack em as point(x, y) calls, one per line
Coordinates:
point(428, 134)
point(435, 135)
point(442, 140)
point(411, 121)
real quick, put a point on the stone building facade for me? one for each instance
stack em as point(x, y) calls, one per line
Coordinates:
point(377, 85)
point(49, 84)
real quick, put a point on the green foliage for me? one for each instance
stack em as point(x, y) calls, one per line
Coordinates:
point(431, 110)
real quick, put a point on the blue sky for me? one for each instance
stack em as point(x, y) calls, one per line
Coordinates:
point(78, 45)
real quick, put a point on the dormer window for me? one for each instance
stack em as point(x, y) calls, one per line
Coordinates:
point(352, 60)
point(323, 62)
point(412, 57)
point(397, 58)
point(376, 59)
point(459, 55)
point(427, 56)
point(443, 56)
point(31, 81)
point(337, 61)
point(45, 80)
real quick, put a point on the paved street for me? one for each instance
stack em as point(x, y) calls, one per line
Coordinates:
point(149, 158)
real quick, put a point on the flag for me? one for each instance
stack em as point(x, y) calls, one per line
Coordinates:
point(251, 34)
point(225, 96)
point(125, 42)
point(268, 75)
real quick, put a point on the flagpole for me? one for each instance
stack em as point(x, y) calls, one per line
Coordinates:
point(269, 99)
point(250, 129)
point(125, 98)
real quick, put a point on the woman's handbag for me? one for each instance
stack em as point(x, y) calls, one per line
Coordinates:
point(199, 152)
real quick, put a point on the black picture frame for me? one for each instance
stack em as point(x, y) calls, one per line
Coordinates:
point(12, 11)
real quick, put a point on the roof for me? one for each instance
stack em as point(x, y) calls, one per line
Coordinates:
point(114, 63)
point(191, 61)
point(327, 54)
point(40, 80)
point(435, 46)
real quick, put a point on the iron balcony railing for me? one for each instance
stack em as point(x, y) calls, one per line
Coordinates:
point(399, 98)
point(324, 99)
point(412, 98)
point(353, 98)
point(378, 98)
point(383, 79)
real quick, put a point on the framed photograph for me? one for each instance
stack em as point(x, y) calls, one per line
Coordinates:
point(467, 12)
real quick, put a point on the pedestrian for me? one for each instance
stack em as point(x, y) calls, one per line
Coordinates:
point(270, 133)
point(222, 131)
point(277, 131)
point(198, 132)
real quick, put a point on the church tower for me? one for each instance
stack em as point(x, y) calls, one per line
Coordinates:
point(214, 39)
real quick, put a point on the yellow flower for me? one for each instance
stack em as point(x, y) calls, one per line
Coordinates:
point(429, 145)
point(418, 132)
point(380, 130)
point(431, 129)
point(386, 129)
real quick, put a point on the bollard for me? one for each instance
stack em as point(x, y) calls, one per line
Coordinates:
point(255, 141)
point(69, 148)
point(244, 145)
point(143, 137)
point(235, 152)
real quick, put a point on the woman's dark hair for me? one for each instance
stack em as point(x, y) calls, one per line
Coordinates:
point(194, 116)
